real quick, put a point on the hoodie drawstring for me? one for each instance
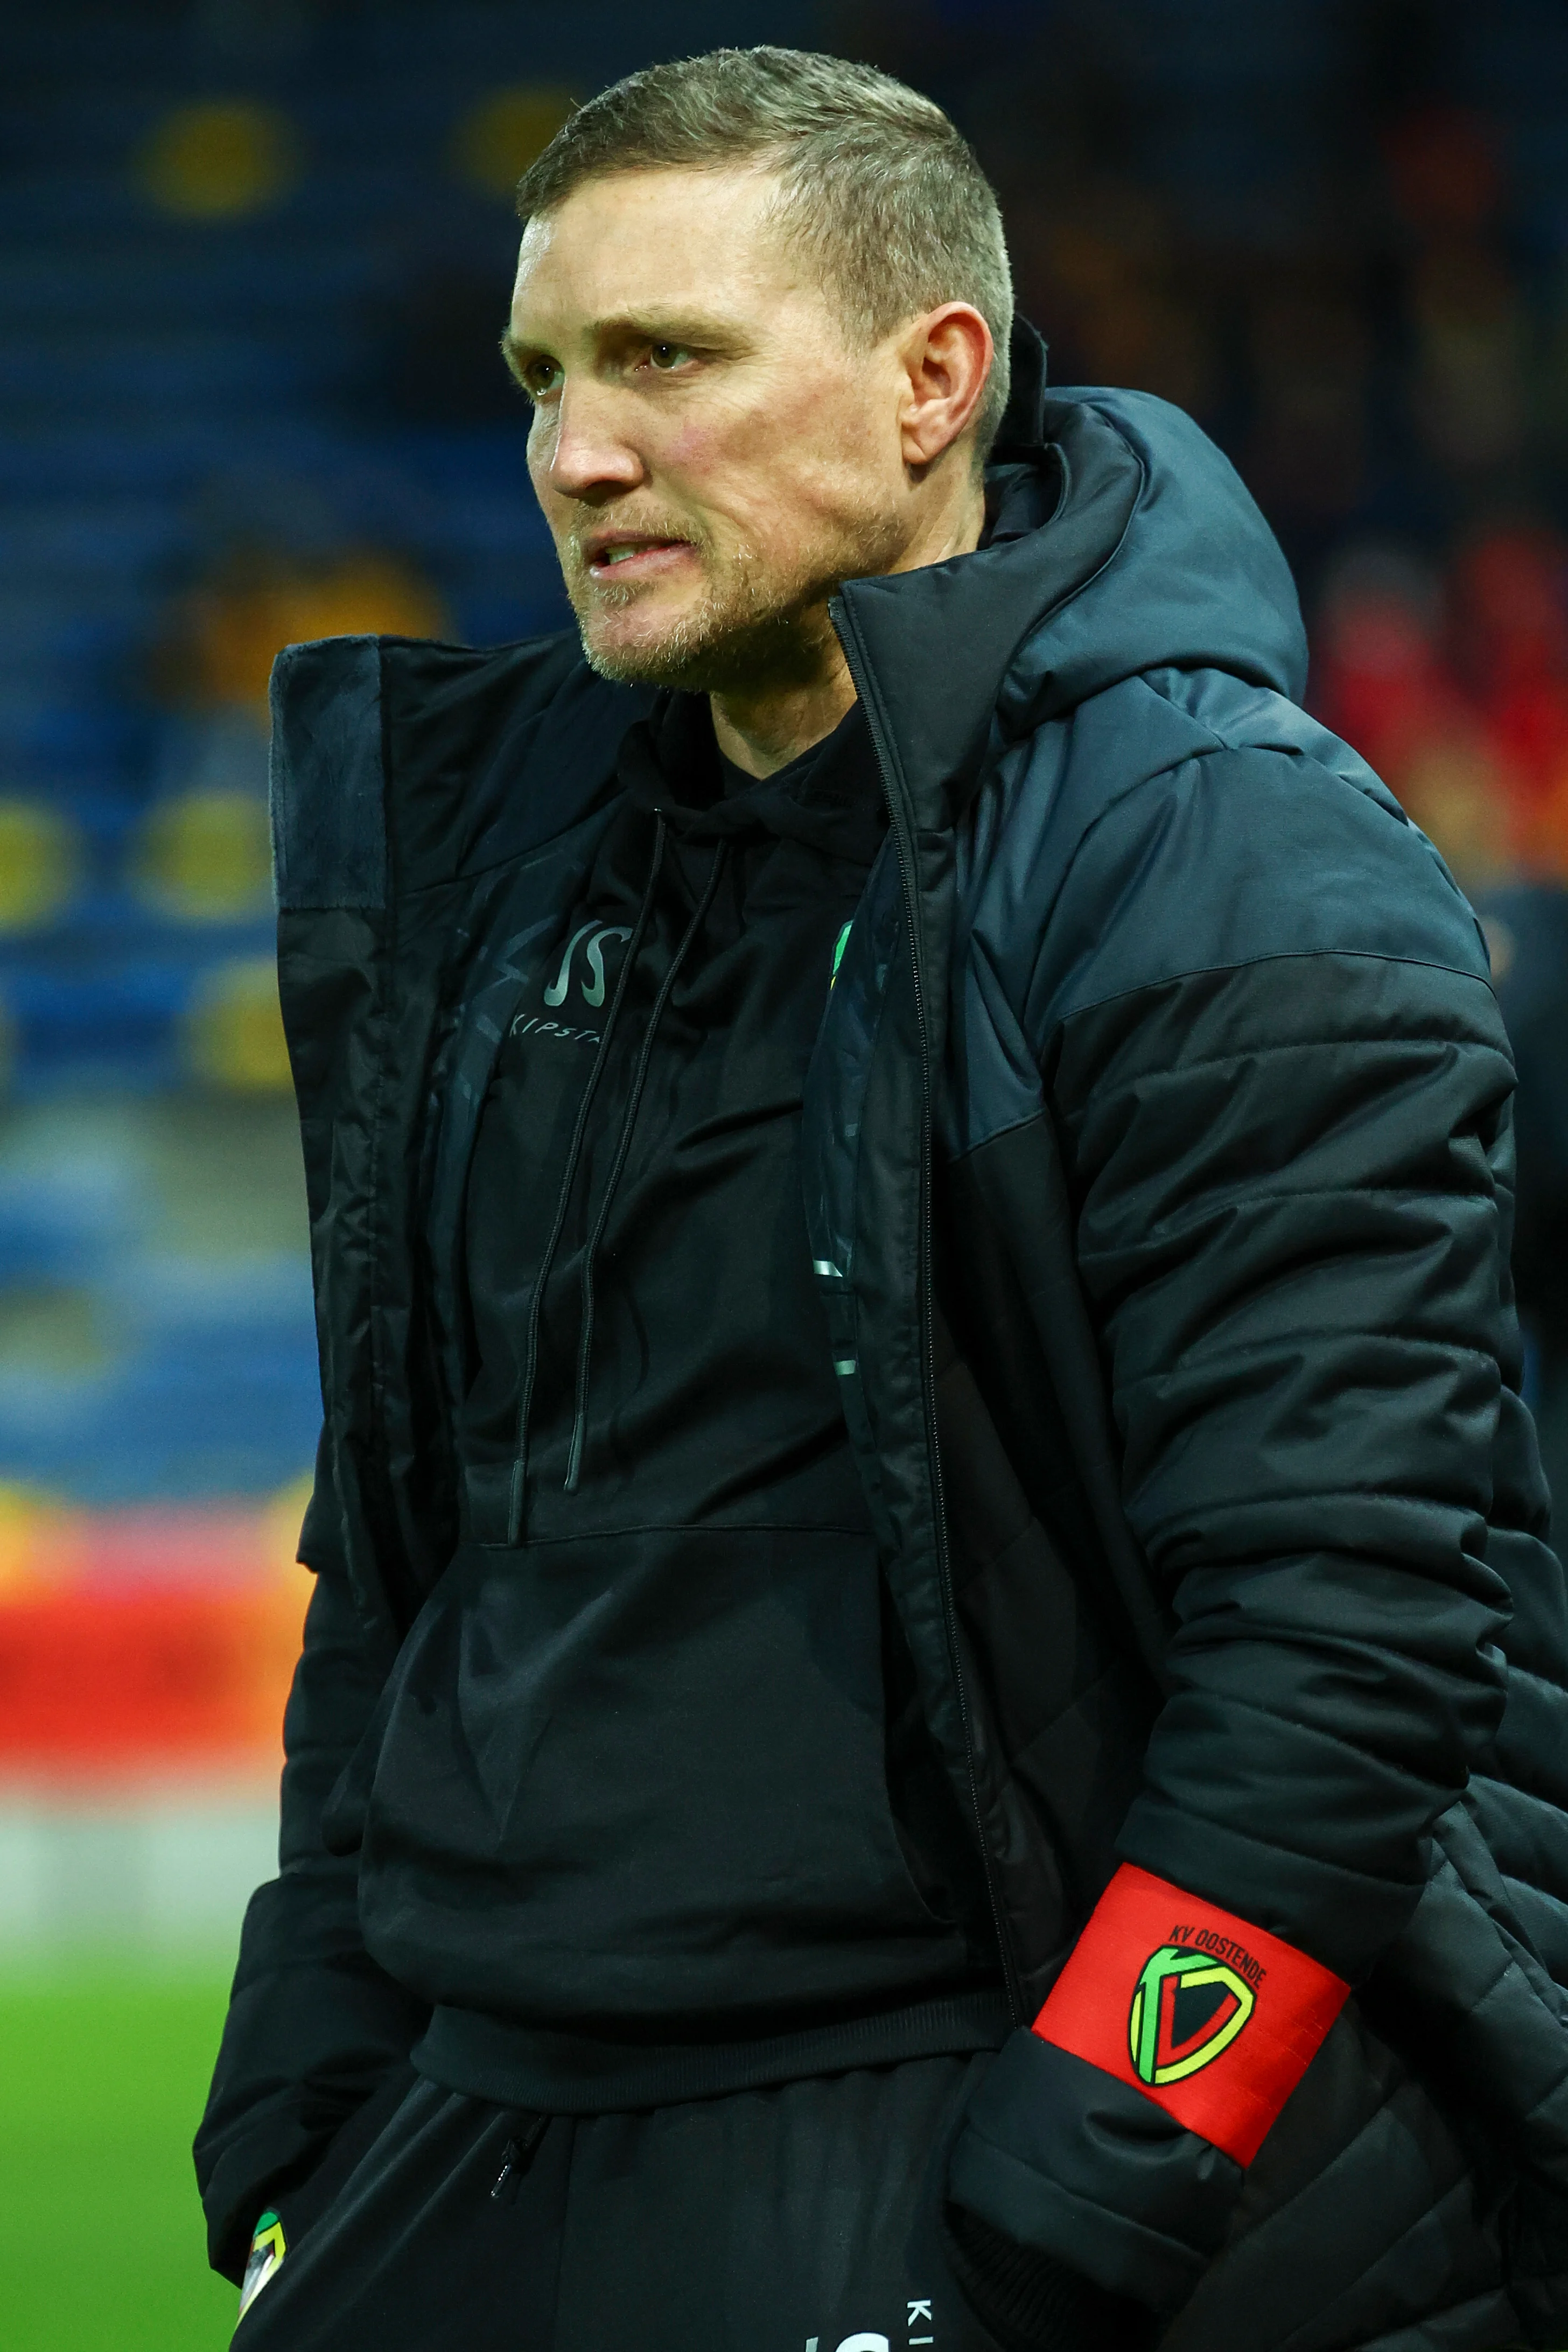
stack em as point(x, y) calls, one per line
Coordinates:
point(574, 1155)
point(590, 1255)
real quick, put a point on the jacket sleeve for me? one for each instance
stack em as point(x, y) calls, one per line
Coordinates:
point(1283, 1104)
point(313, 2024)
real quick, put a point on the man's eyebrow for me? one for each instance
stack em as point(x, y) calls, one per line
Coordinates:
point(654, 326)
point(689, 326)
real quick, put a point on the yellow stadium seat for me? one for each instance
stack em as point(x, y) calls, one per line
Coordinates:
point(40, 863)
point(207, 856)
point(495, 144)
point(234, 1029)
point(218, 161)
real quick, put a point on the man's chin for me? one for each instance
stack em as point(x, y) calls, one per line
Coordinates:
point(639, 657)
point(698, 653)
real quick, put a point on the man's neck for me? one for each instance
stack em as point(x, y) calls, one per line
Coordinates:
point(762, 732)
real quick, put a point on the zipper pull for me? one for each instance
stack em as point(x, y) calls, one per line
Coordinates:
point(517, 2155)
point(510, 2155)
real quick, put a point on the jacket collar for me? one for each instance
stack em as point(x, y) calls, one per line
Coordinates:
point(940, 642)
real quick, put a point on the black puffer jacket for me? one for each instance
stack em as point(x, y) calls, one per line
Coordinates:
point(1158, 1178)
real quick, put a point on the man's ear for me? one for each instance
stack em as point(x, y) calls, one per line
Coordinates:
point(946, 358)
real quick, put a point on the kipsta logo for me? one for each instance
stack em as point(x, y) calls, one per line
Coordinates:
point(1188, 2007)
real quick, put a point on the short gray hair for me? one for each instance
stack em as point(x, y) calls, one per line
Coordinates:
point(879, 186)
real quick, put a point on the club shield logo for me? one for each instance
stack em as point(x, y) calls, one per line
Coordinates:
point(268, 2248)
point(1187, 2009)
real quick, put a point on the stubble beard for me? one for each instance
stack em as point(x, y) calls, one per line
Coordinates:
point(751, 631)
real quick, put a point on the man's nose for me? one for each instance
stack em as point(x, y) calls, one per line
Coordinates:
point(591, 451)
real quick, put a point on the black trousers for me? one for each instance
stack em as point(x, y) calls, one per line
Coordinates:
point(798, 2218)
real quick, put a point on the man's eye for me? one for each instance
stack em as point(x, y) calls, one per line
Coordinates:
point(669, 355)
point(540, 377)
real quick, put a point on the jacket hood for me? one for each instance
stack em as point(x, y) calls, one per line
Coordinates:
point(1155, 556)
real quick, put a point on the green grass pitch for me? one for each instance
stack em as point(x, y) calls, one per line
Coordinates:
point(103, 2077)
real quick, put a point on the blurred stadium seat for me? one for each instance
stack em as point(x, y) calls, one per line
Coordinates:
point(218, 160)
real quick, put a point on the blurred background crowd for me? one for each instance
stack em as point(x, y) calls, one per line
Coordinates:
point(254, 260)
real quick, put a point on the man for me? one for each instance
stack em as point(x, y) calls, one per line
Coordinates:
point(933, 1711)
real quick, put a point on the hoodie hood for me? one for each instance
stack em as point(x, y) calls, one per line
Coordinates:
point(1154, 556)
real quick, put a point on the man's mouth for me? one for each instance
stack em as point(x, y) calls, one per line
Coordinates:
point(632, 558)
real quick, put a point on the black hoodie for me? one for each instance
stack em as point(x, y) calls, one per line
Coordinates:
point(633, 1801)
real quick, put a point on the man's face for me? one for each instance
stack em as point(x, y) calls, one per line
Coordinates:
point(712, 454)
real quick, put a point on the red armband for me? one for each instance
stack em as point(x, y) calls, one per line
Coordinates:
point(1213, 2019)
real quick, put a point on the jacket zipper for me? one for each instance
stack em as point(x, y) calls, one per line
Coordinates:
point(903, 844)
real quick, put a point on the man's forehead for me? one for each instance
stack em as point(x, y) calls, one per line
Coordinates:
point(637, 243)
